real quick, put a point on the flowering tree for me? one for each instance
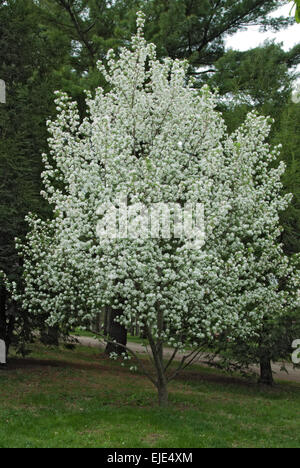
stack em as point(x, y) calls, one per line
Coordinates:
point(157, 140)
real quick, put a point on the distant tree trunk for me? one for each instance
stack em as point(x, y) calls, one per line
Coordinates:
point(7, 319)
point(116, 332)
point(266, 374)
point(9, 329)
point(97, 323)
point(2, 313)
point(106, 320)
point(50, 335)
point(3, 317)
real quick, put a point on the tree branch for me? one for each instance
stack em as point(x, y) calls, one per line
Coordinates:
point(130, 351)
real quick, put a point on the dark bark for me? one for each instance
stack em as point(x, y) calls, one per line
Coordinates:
point(10, 329)
point(106, 321)
point(82, 35)
point(3, 318)
point(117, 333)
point(97, 324)
point(3, 295)
point(50, 335)
point(266, 374)
point(7, 319)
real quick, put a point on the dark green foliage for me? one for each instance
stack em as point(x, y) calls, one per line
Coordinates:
point(259, 79)
point(30, 62)
point(189, 29)
point(289, 136)
point(201, 26)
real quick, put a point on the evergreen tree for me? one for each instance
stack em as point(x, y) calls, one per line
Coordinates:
point(258, 79)
point(30, 61)
point(288, 136)
point(191, 29)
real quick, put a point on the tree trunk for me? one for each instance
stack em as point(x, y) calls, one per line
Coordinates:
point(97, 323)
point(162, 394)
point(106, 320)
point(50, 335)
point(266, 374)
point(9, 330)
point(161, 382)
point(3, 313)
point(3, 337)
point(116, 332)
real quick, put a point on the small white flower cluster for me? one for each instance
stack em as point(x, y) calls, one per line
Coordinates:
point(10, 286)
point(113, 356)
point(156, 138)
point(296, 94)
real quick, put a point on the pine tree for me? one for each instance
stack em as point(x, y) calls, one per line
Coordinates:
point(30, 60)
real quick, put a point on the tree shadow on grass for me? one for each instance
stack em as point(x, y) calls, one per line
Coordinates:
point(190, 376)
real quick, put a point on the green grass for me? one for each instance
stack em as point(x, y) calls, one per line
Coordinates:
point(81, 332)
point(64, 398)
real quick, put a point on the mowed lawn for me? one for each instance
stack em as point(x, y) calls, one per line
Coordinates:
point(80, 398)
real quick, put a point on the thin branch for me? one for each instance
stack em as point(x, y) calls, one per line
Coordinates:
point(231, 24)
point(81, 34)
point(130, 351)
point(89, 28)
point(157, 356)
point(171, 359)
point(183, 364)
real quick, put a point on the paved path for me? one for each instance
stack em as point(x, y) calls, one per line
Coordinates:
point(292, 376)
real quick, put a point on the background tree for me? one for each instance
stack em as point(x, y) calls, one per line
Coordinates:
point(200, 29)
point(260, 79)
point(288, 136)
point(30, 61)
point(189, 29)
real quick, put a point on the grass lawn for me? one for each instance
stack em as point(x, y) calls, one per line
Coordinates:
point(80, 398)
